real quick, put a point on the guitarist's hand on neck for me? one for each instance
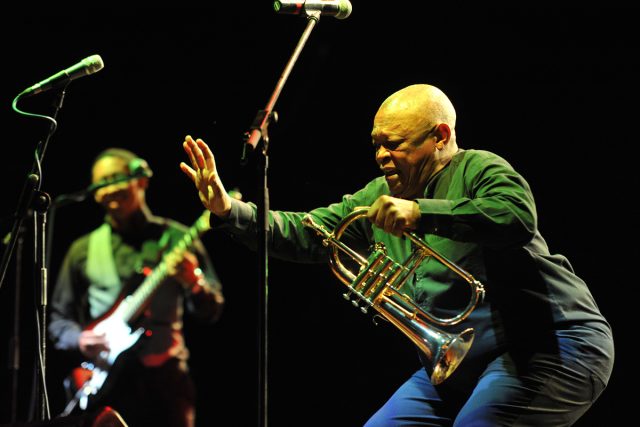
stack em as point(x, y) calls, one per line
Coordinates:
point(183, 265)
point(92, 344)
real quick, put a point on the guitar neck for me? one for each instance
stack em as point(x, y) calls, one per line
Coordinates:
point(139, 299)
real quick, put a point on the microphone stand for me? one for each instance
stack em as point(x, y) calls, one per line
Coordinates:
point(14, 342)
point(34, 202)
point(60, 201)
point(259, 132)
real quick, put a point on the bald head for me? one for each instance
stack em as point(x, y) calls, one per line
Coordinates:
point(418, 106)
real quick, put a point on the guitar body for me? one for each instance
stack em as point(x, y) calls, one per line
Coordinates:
point(92, 380)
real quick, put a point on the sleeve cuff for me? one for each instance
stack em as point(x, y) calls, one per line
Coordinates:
point(436, 215)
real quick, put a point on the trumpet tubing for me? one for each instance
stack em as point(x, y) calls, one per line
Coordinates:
point(379, 283)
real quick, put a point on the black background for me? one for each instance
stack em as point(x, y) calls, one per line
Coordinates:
point(552, 90)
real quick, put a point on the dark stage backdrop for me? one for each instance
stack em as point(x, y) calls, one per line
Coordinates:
point(552, 90)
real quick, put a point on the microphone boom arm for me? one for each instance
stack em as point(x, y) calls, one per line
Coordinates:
point(263, 118)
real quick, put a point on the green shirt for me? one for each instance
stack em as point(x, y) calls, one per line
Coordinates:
point(479, 213)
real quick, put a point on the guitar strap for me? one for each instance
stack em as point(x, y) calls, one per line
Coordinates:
point(105, 285)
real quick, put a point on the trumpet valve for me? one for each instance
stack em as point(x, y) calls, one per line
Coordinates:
point(379, 247)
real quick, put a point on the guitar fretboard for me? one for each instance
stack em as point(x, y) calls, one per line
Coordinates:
point(140, 298)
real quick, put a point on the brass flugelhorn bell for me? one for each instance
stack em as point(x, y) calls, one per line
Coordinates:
point(379, 283)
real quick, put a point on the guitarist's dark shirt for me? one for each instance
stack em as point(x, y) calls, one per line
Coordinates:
point(143, 247)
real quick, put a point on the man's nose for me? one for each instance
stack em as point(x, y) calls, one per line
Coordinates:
point(382, 154)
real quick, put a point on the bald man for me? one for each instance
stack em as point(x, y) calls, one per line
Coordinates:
point(542, 351)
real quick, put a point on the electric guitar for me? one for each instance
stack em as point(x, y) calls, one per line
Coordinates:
point(90, 380)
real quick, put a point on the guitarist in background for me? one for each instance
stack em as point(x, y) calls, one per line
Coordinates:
point(152, 386)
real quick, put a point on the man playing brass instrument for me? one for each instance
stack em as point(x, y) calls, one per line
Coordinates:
point(542, 353)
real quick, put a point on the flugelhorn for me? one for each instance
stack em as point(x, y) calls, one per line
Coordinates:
point(379, 283)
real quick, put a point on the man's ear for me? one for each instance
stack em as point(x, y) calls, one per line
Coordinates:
point(443, 133)
point(143, 183)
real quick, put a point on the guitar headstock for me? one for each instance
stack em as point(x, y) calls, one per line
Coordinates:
point(202, 223)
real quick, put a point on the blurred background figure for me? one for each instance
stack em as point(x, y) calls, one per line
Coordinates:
point(166, 269)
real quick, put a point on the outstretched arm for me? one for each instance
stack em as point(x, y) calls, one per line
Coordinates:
point(204, 174)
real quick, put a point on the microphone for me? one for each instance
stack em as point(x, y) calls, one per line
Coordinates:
point(79, 196)
point(341, 9)
point(85, 67)
point(137, 172)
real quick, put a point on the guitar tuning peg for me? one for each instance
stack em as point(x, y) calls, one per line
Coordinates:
point(235, 193)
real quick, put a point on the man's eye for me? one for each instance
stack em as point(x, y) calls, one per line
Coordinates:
point(389, 146)
point(116, 176)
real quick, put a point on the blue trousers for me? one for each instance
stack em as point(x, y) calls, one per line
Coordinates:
point(549, 391)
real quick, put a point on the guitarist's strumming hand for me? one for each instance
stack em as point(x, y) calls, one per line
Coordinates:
point(204, 174)
point(92, 344)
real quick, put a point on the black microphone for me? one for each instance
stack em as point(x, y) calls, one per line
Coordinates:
point(136, 172)
point(85, 67)
point(81, 195)
point(341, 9)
